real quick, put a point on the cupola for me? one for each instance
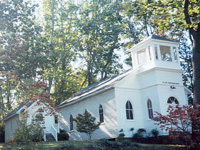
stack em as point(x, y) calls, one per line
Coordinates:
point(155, 51)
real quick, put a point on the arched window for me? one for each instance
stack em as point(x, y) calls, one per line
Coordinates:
point(150, 110)
point(56, 119)
point(172, 100)
point(101, 118)
point(71, 122)
point(129, 110)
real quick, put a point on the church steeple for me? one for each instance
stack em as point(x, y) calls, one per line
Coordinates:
point(155, 51)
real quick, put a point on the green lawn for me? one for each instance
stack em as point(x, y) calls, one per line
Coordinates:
point(83, 145)
point(46, 145)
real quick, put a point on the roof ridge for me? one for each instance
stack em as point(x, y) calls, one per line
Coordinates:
point(14, 112)
point(95, 87)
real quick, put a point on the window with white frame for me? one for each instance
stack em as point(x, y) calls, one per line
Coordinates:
point(129, 111)
point(101, 118)
point(71, 122)
point(175, 54)
point(150, 109)
point(156, 51)
point(149, 51)
point(165, 53)
point(56, 119)
point(141, 55)
point(172, 100)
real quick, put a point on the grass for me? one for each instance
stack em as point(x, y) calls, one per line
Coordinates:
point(163, 147)
point(83, 145)
point(46, 145)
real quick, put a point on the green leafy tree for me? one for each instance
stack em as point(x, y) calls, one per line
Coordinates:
point(61, 39)
point(20, 43)
point(20, 48)
point(86, 123)
point(99, 25)
point(88, 32)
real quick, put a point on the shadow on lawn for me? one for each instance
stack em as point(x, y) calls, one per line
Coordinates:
point(90, 145)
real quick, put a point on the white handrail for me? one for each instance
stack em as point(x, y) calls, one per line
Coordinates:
point(44, 136)
point(57, 127)
point(54, 133)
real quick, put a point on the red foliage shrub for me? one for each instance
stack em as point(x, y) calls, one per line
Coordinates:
point(181, 122)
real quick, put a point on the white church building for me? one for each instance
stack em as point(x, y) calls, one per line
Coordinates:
point(130, 100)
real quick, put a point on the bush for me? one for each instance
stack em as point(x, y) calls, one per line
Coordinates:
point(126, 143)
point(106, 143)
point(110, 145)
point(155, 133)
point(22, 134)
point(63, 135)
point(179, 126)
point(140, 133)
point(36, 133)
point(28, 133)
point(121, 135)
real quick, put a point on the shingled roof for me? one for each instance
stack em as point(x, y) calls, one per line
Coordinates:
point(161, 38)
point(95, 88)
point(20, 109)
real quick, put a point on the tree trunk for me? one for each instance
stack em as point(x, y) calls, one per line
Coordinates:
point(89, 76)
point(50, 84)
point(8, 93)
point(89, 71)
point(52, 46)
point(90, 136)
point(2, 103)
point(196, 78)
point(196, 67)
